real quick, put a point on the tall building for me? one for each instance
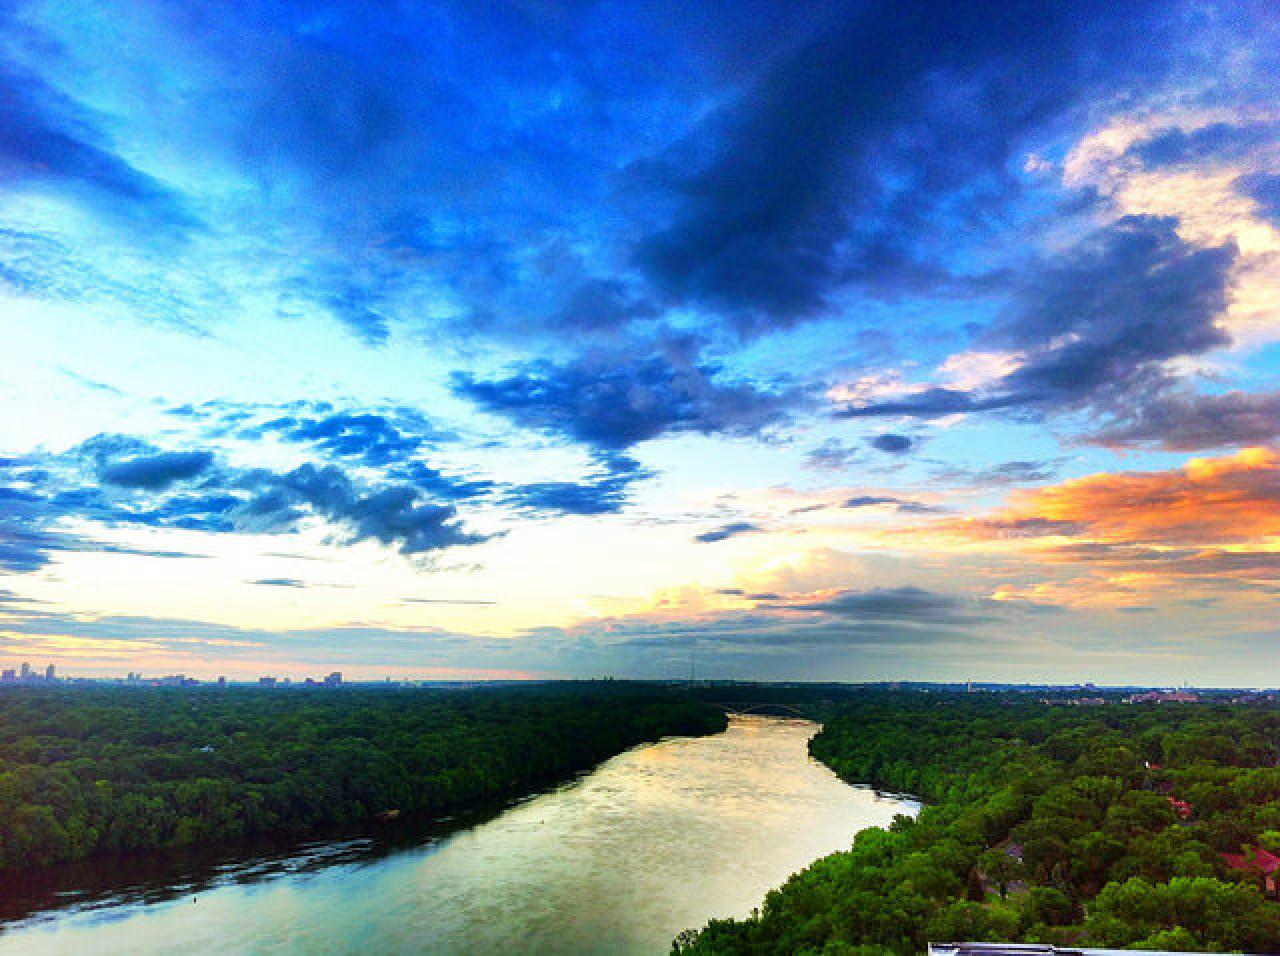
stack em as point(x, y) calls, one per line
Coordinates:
point(334, 679)
point(48, 673)
point(8, 675)
point(26, 670)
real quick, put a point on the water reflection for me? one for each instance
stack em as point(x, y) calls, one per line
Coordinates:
point(619, 861)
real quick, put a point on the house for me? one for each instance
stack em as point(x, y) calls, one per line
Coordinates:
point(1258, 863)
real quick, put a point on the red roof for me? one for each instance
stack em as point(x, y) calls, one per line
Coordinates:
point(1256, 859)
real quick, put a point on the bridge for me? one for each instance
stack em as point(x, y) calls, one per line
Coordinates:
point(737, 708)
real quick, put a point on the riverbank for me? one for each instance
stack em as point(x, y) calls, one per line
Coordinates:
point(120, 771)
point(656, 839)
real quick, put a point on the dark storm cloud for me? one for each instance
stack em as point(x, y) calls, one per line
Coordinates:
point(892, 122)
point(1134, 295)
point(901, 616)
point(1096, 327)
point(758, 164)
point(1183, 421)
point(613, 403)
point(902, 603)
point(154, 472)
point(892, 444)
point(603, 493)
point(731, 530)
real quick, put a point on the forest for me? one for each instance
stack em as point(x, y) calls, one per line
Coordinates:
point(87, 770)
point(1126, 826)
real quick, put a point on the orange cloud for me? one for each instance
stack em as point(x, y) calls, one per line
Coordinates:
point(1209, 529)
point(1210, 501)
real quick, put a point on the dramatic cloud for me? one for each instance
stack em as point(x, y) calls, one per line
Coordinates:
point(856, 151)
point(616, 288)
point(613, 403)
point(1096, 328)
point(135, 487)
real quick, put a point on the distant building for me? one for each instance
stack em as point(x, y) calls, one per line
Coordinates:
point(1163, 697)
point(334, 679)
point(26, 671)
point(8, 675)
point(49, 673)
point(222, 682)
point(266, 682)
point(175, 680)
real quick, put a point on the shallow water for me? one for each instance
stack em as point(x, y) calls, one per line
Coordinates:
point(657, 839)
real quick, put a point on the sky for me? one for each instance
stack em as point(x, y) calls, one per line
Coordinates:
point(805, 341)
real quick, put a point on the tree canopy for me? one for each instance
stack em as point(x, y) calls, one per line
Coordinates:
point(87, 770)
point(1102, 826)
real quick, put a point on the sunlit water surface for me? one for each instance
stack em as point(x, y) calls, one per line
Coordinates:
point(657, 839)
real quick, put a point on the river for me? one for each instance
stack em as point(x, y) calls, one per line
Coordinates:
point(654, 840)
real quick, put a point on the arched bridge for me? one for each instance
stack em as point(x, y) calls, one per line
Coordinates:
point(758, 708)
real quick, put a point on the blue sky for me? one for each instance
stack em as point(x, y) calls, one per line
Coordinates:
point(817, 340)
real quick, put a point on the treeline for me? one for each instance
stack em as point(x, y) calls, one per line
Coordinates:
point(1102, 826)
point(88, 770)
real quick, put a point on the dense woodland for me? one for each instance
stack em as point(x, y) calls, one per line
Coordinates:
point(86, 770)
point(1102, 826)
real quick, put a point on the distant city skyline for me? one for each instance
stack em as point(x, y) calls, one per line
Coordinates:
point(818, 341)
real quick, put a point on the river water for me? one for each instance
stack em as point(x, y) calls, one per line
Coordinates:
point(657, 839)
